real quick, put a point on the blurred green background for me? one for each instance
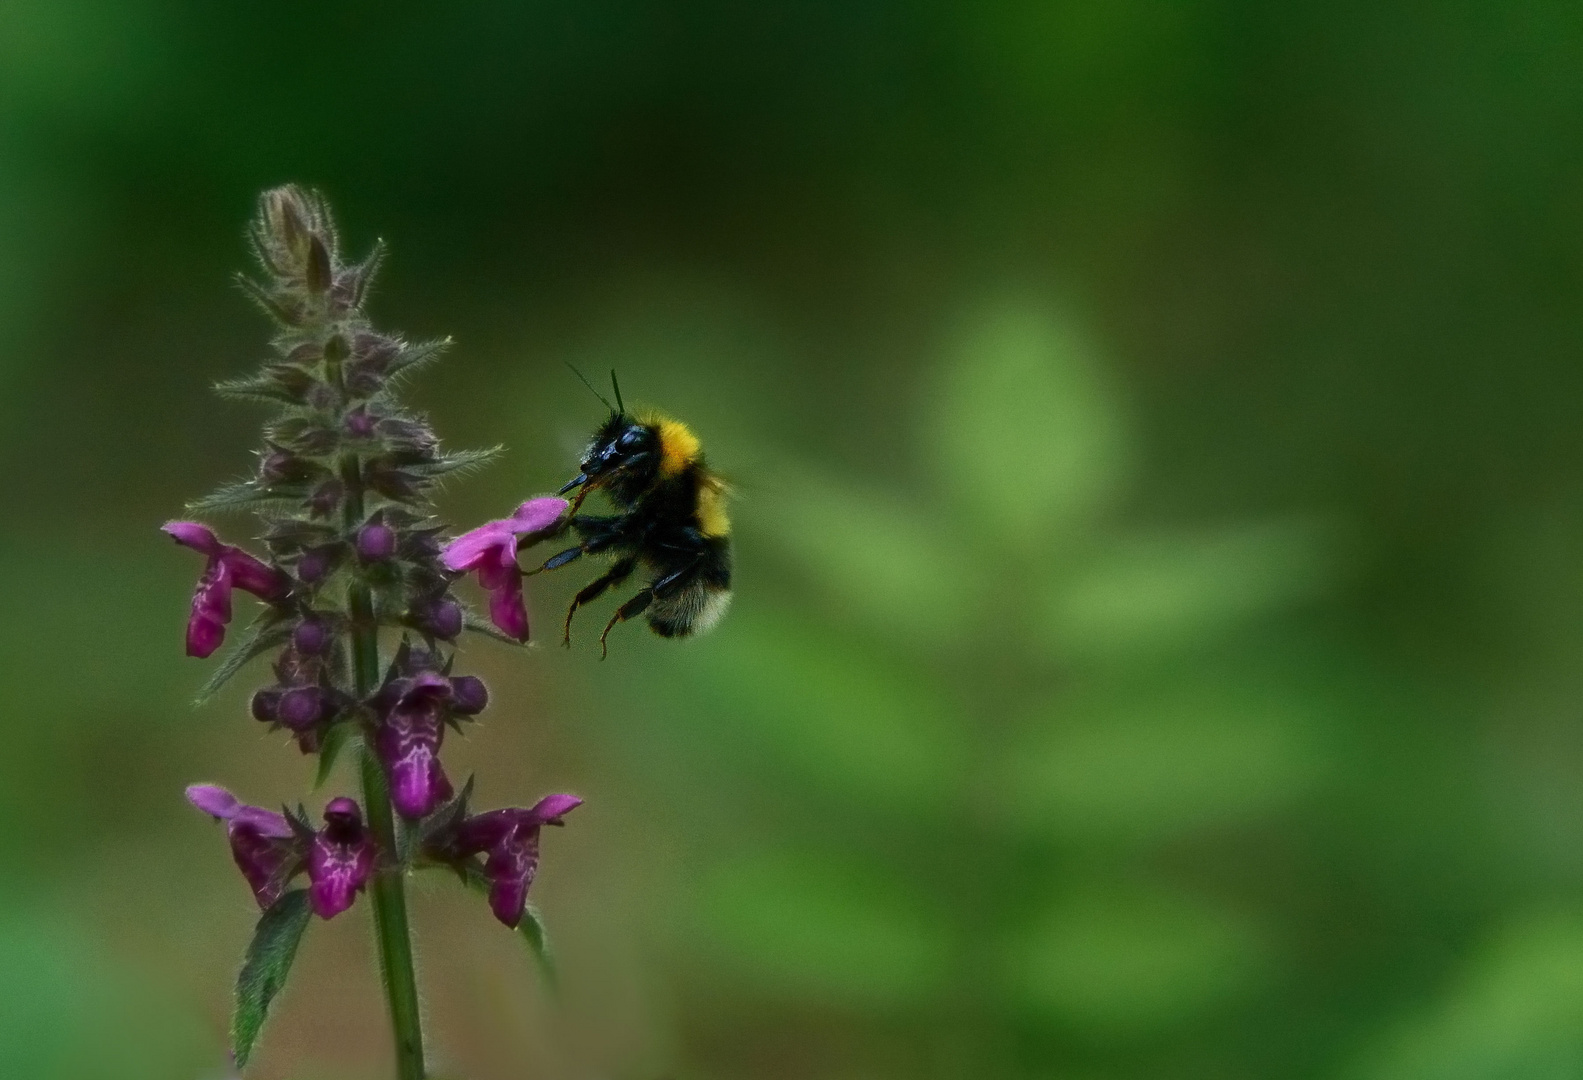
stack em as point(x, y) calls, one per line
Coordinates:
point(1158, 646)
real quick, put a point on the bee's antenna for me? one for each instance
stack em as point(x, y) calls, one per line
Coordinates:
point(591, 389)
point(617, 387)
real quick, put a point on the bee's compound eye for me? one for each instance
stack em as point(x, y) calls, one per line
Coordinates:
point(632, 438)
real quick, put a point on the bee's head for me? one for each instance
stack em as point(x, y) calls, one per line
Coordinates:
point(622, 446)
point(624, 451)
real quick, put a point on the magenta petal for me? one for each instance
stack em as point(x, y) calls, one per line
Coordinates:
point(193, 535)
point(213, 800)
point(266, 862)
point(266, 822)
point(538, 515)
point(470, 549)
point(506, 608)
point(511, 867)
point(336, 872)
point(408, 744)
point(204, 636)
point(553, 807)
point(211, 610)
point(252, 575)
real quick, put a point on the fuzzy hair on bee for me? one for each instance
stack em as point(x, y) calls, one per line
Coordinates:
point(670, 521)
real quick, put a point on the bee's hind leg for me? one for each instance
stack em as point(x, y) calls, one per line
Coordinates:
point(614, 576)
point(626, 611)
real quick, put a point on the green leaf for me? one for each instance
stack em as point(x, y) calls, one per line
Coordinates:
point(1140, 762)
point(883, 733)
point(243, 496)
point(413, 357)
point(811, 926)
point(891, 566)
point(256, 388)
point(1025, 431)
point(460, 462)
point(1511, 1007)
point(264, 972)
point(264, 634)
point(1180, 590)
point(532, 930)
point(1120, 962)
point(531, 927)
point(335, 741)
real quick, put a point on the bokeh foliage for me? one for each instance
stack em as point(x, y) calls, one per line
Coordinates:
point(1156, 649)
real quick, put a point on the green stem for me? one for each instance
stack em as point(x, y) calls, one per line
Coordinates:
point(389, 888)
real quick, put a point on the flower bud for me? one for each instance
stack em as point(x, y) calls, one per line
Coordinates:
point(283, 467)
point(359, 424)
point(384, 476)
point(300, 707)
point(315, 565)
point(469, 695)
point(376, 542)
point(441, 618)
point(311, 637)
point(326, 498)
point(266, 704)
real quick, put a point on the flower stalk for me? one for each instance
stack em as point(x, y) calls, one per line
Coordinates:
point(342, 495)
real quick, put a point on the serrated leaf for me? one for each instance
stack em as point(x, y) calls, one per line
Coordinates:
point(244, 496)
point(531, 928)
point(413, 357)
point(264, 634)
point(335, 741)
point(261, 296)
point(264, 971)
point(258, 389)
point(460, 461)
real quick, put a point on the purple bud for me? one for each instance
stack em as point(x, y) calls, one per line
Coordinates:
point(266, 704)
point(442, 618)
point(376, 542)
point(359, 424)
point(343, 816)
point(311, 637)
point(315, 565)
point(469, 695)
point(300, 707)
point(281, 466)
point(326, 498)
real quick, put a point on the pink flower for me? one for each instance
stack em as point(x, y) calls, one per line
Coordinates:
point(509, 839)
point(263, 843)
point(228, 568)
point(340, 859)
point(408, 743)
point(270, 850)
point(491, 550)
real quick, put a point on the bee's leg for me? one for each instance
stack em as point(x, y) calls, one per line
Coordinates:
point(632, 607)
point(577, 503)
point(673, 582)
point(614, 576)
point(559, 559)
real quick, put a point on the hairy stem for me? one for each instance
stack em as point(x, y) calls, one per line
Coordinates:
point(389, 889)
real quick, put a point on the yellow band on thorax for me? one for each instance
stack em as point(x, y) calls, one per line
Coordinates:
point(678, 447)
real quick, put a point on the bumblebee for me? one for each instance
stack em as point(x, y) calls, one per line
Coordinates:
point(670, 519)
